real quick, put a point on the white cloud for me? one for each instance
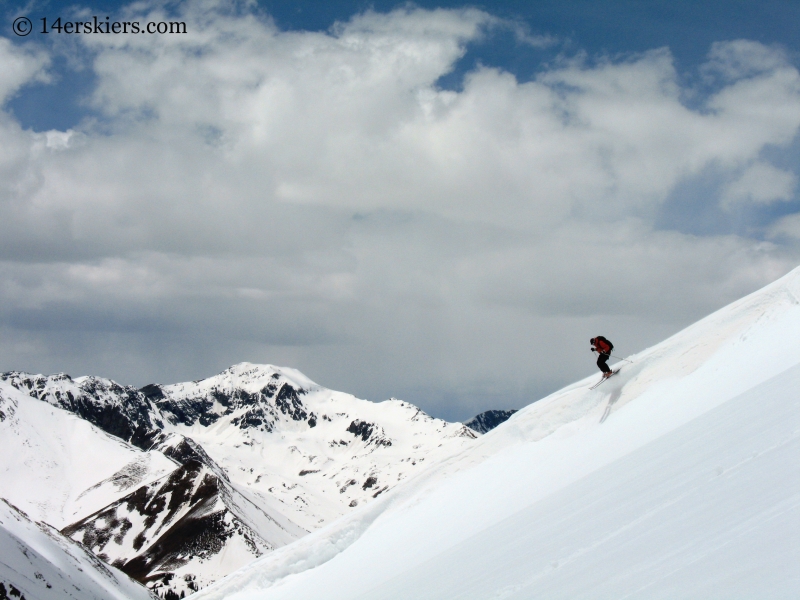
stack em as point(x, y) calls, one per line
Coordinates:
point(314, 199)
point(20, 66)
point(760, 183)
point(743, 58)
point(352, 119)
point(785, 227)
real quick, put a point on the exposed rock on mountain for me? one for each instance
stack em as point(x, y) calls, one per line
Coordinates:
point(369, 433)
point(488, 420)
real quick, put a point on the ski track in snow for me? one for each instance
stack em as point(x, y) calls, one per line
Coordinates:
point(676, 477)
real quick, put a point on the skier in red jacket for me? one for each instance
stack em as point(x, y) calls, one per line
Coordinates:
point(603, 347)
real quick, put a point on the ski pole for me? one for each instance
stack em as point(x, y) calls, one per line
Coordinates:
point(614, 356)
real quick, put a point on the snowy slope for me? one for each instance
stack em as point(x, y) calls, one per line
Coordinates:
point(58, 468)
point(38, 563)
point(676, 478)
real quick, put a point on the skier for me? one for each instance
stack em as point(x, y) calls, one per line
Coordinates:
point(603, 347)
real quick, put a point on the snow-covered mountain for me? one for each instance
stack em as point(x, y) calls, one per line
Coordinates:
point(260, 455)
point(677, 478)
point(38, 563)
point(122, 411)
point(58, 467)
point(184, 531)
point(308, 451)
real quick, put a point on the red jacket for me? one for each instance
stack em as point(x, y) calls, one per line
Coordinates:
point(601, 346)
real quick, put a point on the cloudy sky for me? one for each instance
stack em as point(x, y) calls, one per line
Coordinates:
point(436, 201)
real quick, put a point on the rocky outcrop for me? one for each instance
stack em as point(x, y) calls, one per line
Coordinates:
point(488, 420)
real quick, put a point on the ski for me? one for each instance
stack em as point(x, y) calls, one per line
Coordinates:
point(602, 379)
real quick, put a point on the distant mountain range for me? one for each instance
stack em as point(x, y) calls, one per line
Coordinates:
point(178, 485)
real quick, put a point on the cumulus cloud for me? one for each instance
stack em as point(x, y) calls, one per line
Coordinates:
point(20, 66)
point(739, 59)
point(314, 199)
point(785, 227)
point(760, 183)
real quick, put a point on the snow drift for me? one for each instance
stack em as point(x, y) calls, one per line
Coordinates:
point(676, 478)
